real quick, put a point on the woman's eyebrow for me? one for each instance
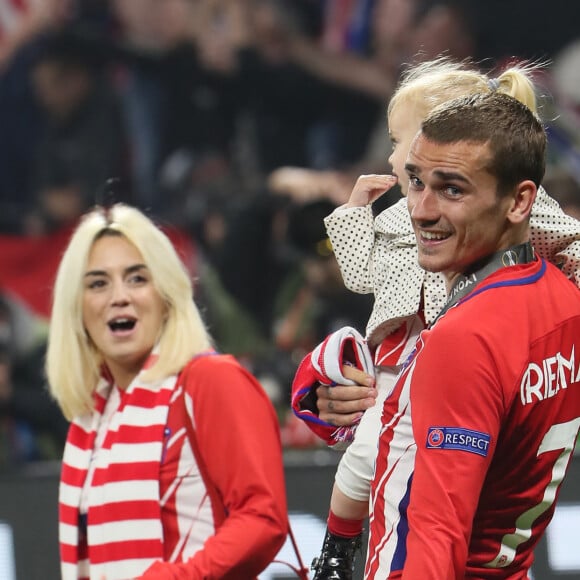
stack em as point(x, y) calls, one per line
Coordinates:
point(135, 268)
point(128, 270)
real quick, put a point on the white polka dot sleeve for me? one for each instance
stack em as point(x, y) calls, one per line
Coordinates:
point(379, 255)
point(352, 235)
point(556, 235)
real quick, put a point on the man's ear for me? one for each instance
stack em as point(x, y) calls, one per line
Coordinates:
point(522, 202)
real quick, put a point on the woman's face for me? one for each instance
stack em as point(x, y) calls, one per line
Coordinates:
point(404, 123)
point(123, 313)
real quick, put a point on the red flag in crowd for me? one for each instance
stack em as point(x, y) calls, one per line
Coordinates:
point(28, 265)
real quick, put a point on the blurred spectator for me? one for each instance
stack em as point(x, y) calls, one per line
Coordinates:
point(566, 75)
point(83, 142)
point(396, 32)
point(20, 122)
point(277, 270)
point(346, 26)
point(318, 303)
point(21, 22)
point(400, 31)
point(566, 190)
point(370, 67)
point(144, 31)
point(31, 425)
point(17, 443)
point(443, 26)
point(564, 111)
point(299, 116)
point(180, 104)
point(249, 265)
point(519, 28)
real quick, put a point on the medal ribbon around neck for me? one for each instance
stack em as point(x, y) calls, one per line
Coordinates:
point(466, 283)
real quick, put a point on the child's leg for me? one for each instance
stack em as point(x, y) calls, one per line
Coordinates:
point(357, 466)
point(347, 508)
point(349, 503)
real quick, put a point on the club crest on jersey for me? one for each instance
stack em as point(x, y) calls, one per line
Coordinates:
point(458, 438)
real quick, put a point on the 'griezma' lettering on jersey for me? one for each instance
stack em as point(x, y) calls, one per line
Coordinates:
point(544, 380)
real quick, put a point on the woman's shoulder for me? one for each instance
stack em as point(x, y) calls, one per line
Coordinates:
point(217, 376)
point(215, 367)
point(212, 360)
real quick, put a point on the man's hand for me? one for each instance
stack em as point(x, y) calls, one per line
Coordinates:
point(343, 405)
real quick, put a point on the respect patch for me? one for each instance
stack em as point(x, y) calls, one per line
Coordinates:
point(459, 439)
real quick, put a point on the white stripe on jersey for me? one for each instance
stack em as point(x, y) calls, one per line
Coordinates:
point(392, 474)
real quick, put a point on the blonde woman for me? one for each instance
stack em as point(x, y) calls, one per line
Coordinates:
point(164, 473)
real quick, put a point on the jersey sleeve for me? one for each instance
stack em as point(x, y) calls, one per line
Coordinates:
point(238, 439)
point(556, 235)
point(456, 406)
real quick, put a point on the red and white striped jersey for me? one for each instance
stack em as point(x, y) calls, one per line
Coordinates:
point(188, 479)
point(238, 451)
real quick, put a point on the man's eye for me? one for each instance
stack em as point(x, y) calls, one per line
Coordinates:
point(452, 191)
point(415, 181)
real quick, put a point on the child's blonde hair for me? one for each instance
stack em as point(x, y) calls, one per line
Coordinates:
point(432, 83)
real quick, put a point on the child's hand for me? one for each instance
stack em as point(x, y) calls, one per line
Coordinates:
point(368, 188)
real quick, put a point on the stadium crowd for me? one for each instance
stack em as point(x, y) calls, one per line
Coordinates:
point(238, 125)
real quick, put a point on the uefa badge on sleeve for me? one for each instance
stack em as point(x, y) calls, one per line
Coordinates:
point(458, 438)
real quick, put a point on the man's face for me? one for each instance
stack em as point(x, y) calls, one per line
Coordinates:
point(456, 214)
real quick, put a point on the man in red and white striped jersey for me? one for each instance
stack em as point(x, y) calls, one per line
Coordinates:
point(479, 429)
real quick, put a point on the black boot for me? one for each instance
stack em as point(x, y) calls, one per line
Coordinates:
point(336, 561)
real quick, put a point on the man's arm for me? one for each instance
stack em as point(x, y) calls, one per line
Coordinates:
point(462, 399)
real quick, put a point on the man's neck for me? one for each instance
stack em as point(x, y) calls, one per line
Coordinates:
point(451, 277)
point(464, 283)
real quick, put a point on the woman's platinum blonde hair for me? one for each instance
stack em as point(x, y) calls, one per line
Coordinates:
point(73, 365)
point(432, 83)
